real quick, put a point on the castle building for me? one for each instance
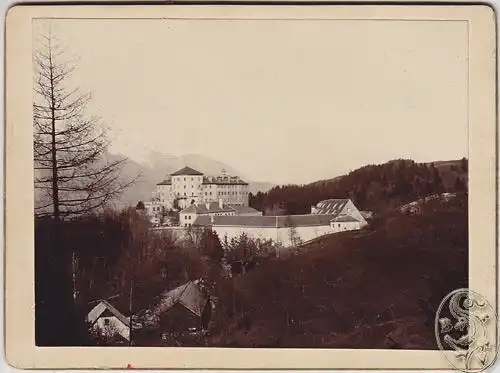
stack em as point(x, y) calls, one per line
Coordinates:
point(188, 186)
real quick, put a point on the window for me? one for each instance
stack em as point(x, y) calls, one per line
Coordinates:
point(106, 321)
point(338, 225)
point(184, 193)
point(184, 179)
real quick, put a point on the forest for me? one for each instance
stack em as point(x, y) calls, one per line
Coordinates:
point(372, 187)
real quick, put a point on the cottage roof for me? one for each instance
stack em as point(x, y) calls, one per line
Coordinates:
point(213, 207)
point(187, 171)
point(266, 221)
point(100, 308)
point(330, 206)
point(189, 295)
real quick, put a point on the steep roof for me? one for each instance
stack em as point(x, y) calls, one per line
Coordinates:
point(189, 295)
point(202, 208)
point(266, 221)
point(330, 206)
point(100, 308)
point(187, 171)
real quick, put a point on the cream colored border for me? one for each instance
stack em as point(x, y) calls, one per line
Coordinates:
point(19, 292)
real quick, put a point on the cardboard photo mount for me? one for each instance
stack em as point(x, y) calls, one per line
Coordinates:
point(21, 352)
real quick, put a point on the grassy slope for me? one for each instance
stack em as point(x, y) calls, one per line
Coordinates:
point(376, 288)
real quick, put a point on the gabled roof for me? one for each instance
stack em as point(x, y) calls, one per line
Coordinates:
point(189, 295)
point(100, 308)
point(265, 221)
point(187, 171)
point(330, 206)
point(202, 208)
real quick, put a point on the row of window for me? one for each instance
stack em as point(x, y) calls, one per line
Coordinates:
point(185, 194)
point(231, 193)
point(178, 194)
point(211, 186)
point(192, 178)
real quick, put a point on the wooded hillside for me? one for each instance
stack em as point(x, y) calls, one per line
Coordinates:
point(373, 187)
point(375, 288)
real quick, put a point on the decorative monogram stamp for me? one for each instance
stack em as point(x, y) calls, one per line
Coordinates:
point(466, 331)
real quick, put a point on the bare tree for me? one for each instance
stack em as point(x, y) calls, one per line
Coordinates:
point(294, 236)
point(72, 175)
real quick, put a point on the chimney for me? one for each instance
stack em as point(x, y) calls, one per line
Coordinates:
point(223, 172)
point(221, 204)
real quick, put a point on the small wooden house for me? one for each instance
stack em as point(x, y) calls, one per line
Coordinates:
point(183, 309)
point(109, 323)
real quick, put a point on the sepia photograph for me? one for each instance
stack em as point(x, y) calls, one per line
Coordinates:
point(253, 180)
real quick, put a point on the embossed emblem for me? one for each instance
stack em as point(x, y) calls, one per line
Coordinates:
point(466, 330)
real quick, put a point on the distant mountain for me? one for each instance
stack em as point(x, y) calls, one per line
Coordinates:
point(158, 166)
point(259, 186)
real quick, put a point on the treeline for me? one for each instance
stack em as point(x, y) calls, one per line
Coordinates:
point(373, 187)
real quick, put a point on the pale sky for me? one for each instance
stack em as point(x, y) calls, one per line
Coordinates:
point(280, 101)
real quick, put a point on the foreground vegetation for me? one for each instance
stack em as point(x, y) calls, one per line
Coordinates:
point(375, 288)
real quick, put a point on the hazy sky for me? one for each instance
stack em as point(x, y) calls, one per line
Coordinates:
point(280, 101)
